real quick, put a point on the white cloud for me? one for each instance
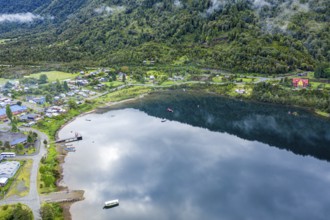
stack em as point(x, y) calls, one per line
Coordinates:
point(216, 5)
point(177, 3)
point(260, 3)
point(108, 10)
point(20, 17)
point(104, 9)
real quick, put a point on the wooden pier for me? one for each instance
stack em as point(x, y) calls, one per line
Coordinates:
point(77, 137)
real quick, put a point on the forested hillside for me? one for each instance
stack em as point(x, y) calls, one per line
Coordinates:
point(264, 36)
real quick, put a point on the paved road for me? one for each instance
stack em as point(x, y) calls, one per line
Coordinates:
point(32, 199)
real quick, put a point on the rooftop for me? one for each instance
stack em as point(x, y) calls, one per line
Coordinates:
point(8, 168)
point(14, 108)
point(11, 136)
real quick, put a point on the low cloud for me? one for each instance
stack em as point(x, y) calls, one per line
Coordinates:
point(104, 9)
point(108, 10)
point(20, 18)
point(177, 4)
point(260, 3)
point(216, 5)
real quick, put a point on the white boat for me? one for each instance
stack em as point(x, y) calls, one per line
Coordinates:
point(111, 203)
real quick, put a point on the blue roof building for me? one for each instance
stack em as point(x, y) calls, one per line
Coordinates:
point(15, 109)
point(18, 141)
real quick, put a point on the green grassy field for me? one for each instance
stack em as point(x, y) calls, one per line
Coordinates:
point(246, 80)
point(113, 84)
point(315, 85)
point(3, 81)
point(21, 185)
point(217, 79)
point(3, 41)
point(55, 75)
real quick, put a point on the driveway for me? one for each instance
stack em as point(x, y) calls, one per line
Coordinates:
point(32, 200)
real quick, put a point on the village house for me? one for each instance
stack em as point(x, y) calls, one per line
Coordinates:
point(6, 101)
point(240, 91)
point(7, 170)
point(15, 109)
point(13, 138)
point(38, 100)
point(99, 86)
point(30, 117)
point(54, 111)
point(72, 93)
point(299, 82)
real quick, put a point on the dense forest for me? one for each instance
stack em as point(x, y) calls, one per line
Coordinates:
point(262, 36)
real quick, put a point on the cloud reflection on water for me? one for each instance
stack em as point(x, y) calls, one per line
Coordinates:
point(176, 171)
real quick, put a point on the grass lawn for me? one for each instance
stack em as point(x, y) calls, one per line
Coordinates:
point(123, 94)
point(54, 75)
point(3, 81)
point(21, 184)
point(3, 41)
point(114, 84)
point(315, 85)
point(246, 80)
point(170, 83)
point(310, 75)
point(217, 79)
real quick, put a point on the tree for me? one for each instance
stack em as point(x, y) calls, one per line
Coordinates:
point(8, 85)
point(7, 145)
point(30, 138)
point(9, 113)
point(113, 76)
point(49, 98)
point(19, 147)
point(66, 87)
point(20, 214)
point(59, 87)
point(47, 212)
point(72, 104)
point(45, 142)
point(124, 78)
point(43, 79)
point(322, 71)
point(14, 127)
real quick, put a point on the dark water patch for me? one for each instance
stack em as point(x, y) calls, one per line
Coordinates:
point(283, 127)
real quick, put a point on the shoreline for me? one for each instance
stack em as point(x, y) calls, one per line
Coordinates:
point(66, 206)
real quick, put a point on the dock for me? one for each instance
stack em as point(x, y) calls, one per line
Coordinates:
point(63, 196)
point(77, 137)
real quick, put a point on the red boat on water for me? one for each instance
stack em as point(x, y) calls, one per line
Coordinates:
point(169, 110)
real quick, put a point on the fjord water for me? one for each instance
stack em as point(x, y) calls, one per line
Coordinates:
point(214, 158)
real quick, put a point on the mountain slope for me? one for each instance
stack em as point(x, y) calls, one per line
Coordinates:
point(265, 36)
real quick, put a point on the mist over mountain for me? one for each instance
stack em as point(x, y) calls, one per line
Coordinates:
point(265, 36)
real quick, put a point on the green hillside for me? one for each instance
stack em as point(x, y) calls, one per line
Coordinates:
point(269, 36)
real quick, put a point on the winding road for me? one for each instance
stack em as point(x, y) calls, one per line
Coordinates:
point(32, 200)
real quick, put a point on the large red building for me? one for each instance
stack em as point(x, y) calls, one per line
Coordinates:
point(298, 82)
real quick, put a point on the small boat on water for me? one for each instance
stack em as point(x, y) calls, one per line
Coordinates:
point(70, 149)
point(111, 204)
point(170, 110)
point(163, 120)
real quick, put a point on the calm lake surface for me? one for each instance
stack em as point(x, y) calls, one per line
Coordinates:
point(214, 158)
